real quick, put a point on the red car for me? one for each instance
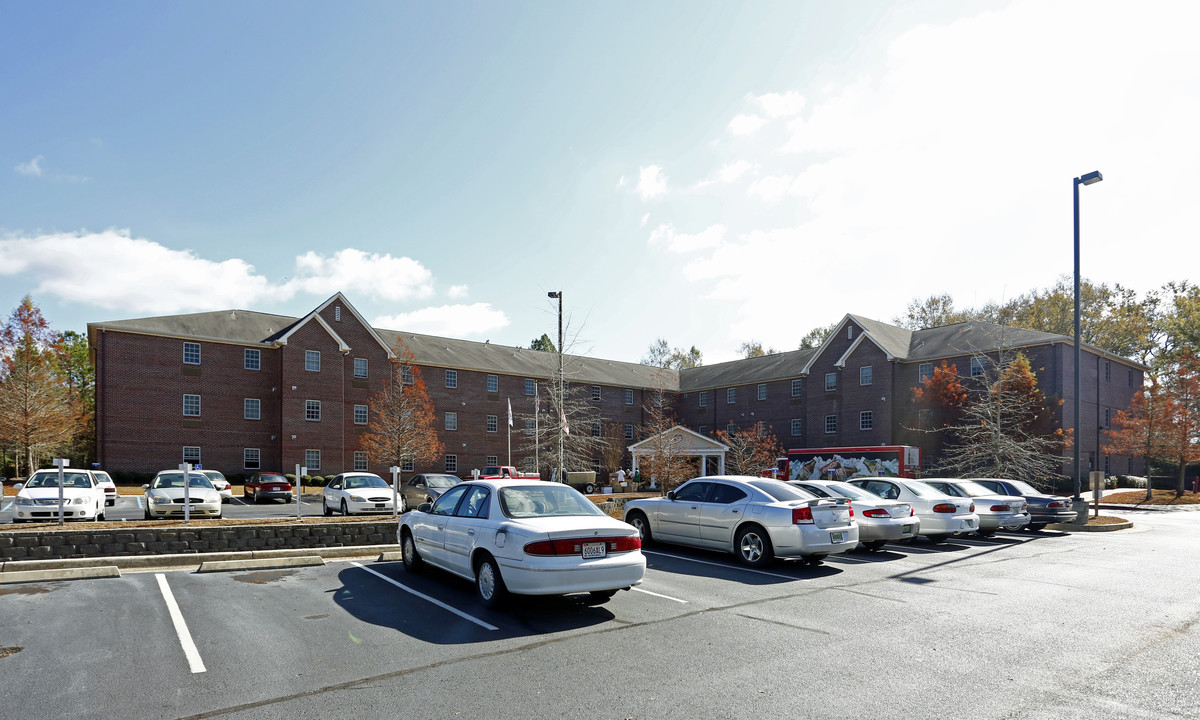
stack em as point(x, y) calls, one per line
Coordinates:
point(267, 486)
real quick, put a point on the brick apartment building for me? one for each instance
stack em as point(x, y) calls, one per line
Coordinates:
point(241, 391)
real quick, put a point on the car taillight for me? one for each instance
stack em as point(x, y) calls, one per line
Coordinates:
point(945, 508)
point(1000, 508)
point(1057, 504)
point(851, 506)
point(876, 512)
point(801, 515)
point(972, 508)
point(574, 546)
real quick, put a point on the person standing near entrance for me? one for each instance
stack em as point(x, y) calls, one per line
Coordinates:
point(621, 477)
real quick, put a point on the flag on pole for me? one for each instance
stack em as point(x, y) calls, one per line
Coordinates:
point(565, 427)
point(510, 412)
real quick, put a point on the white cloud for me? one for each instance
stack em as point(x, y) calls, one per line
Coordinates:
point(947, 168)
point(363, 274)
point(645, 219)
point(114, 271)
point(746, 124)
point(457, 292)
point(651, 182)
point(32, 168)
point(680, 243)
point(458, 321)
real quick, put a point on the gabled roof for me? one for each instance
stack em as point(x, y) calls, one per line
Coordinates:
point(696, 441)
point(282, 339)
point(311, 317)
point(765, 368)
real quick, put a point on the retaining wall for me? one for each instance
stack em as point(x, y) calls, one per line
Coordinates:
point(46, 544)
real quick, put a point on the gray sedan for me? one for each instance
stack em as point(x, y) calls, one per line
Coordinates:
point(425, 488)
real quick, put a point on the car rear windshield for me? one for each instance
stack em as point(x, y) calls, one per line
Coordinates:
point(972, 488)
point(854, 493)
point(442, 481)
point(781, 491)
point(920, 489)
point(213, 475)
point(545, 500)
point(1024, 488)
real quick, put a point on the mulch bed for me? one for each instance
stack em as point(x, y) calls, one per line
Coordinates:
point(1158, 497)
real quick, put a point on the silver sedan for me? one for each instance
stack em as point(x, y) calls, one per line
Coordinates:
point(996, 511)
point(756, 519)
point(879, 521)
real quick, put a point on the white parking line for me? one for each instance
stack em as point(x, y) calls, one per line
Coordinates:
point(7, 507)
point(423, 596)
point(181, 629)
point(664, 597)
point(721, 565)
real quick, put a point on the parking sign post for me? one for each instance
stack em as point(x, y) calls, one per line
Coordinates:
point(300, 473)
point(186, 468)
point(395, 470)
point(61, 463)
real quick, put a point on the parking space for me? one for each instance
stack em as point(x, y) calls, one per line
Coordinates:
point(286, 637)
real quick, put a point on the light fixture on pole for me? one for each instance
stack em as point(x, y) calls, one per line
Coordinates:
point(1088, 179)
point(559, 389)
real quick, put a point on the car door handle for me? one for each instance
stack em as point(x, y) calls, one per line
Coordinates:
point(441, 527)
point(735, 512)
point(471, 532)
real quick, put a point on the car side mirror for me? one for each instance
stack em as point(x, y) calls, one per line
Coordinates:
point(424, 507)
point(671, 495)
point(145, 487)
point(18, 486)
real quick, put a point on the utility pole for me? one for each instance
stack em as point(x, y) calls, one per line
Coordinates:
point(559, 389)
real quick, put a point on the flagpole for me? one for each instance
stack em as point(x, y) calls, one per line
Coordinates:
point(537, 437)
point(510, 423)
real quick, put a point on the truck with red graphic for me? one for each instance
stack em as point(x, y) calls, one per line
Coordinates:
point(844, 463)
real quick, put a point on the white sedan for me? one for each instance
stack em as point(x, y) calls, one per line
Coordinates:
point(941, 515)
point(356, 493)
point(106, 484)
point(220, 484)
point(38, 497)
point(757, 519)
point(879, 521)
point(166, 496)
point(996, 511)
point(523, 537)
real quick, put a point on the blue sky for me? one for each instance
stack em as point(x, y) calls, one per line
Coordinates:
point(709, 173)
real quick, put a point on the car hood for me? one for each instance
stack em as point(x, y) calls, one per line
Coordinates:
point(51, 493)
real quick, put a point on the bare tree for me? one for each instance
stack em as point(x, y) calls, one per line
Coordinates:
point(663, 451)
point(402, 416)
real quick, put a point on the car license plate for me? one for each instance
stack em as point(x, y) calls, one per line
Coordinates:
point(907, 528)
point(379, 505)
point(837, 537)
point(594, 550)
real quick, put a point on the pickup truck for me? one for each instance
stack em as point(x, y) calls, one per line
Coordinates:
point(502, 472)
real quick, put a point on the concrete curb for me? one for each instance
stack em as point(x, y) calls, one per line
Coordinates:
point(261, 563)
point(1072, 527)
point(144, 562)
point(23, 576)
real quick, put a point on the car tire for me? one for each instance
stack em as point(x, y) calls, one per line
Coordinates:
point(408, 553)
point(753, 547)
point(1035, 527)
point(814, 560)
point(589, 488)
point(488, 582)
point(875, 545)
point(638, 520)
point(325, 507)
point(986, 533)
point(602, 594)
point(345, 510)
point(938, 538)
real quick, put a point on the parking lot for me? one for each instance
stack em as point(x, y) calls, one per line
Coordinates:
point(1023, 625)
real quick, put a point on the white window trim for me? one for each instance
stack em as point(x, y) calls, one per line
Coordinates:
point(199, 356)
point(199, 407)
point(246, 459)
point(246, 408)
point(308, 407)
point(309, 354)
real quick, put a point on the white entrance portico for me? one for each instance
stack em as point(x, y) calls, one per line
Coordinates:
point(684, 443)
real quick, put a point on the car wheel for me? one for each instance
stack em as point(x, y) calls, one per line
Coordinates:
point(408, 553)
point(325, 507)
point(939, 538)
point(602, 594)
point(1035, 527)
point(345, 510)
point(589, 488)
point(642, 525)
point(987, 533)
point(489, 583)
point(753, 547)
point(875, 545)
point(814, 560)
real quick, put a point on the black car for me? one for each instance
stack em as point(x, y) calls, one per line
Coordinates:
point(1043, 508)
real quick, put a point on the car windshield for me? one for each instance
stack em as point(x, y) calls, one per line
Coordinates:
point(545, 500)
point(779, 490)
point(442, 481)
point(355, 482)
point(175, 480)
point(920, 489)
point(971, 488)
point(50, 479)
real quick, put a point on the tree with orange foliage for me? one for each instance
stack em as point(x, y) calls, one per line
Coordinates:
point(1163, 424)
point(402, 423)
point(37, 416)
point(750, 451)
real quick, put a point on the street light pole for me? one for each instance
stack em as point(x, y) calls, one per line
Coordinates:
point(559, 388)
point(1088, 179)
